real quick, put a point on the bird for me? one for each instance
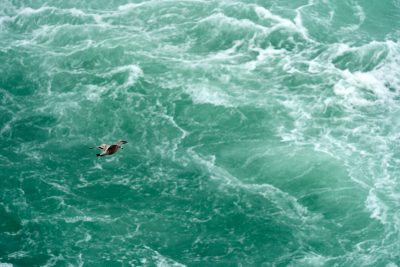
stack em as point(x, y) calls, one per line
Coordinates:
point(110, 149)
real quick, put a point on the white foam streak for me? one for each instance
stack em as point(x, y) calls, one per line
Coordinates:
point(27, 11)
point(130, 6)
point(284, 201)
point(359, 12)
point(31, 11)
point(220, 19)
point(134, 73)
point(354, 86)
point(205, 93)
point(347, 88)
point(163, 261)
point(296, 26)
point(310, 259)
point(179, 139)
point(299, 23)
point(377, 208)
point(263, 55)
point(266, 14)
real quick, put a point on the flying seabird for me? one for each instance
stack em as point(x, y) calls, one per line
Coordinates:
point(110, 149)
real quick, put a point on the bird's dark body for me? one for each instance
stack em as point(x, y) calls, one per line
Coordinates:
point(110, 149)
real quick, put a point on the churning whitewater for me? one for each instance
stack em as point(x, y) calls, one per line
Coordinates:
point(261, 133)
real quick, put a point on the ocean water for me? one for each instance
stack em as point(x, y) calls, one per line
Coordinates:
point(261, 133)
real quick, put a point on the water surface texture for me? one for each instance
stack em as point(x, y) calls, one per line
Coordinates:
point(261, 133)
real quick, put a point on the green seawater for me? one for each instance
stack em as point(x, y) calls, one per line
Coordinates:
point(261, 133)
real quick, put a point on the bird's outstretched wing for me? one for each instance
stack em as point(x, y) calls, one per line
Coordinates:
point(103, 147)
point(121, 142)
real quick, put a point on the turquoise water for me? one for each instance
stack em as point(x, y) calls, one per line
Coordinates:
point(261, 133)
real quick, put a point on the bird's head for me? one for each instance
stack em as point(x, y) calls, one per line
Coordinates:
point(103, 146)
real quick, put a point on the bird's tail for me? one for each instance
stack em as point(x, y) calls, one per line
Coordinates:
point(99, 155)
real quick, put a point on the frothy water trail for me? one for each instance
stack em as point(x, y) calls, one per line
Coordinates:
point(260, 133)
